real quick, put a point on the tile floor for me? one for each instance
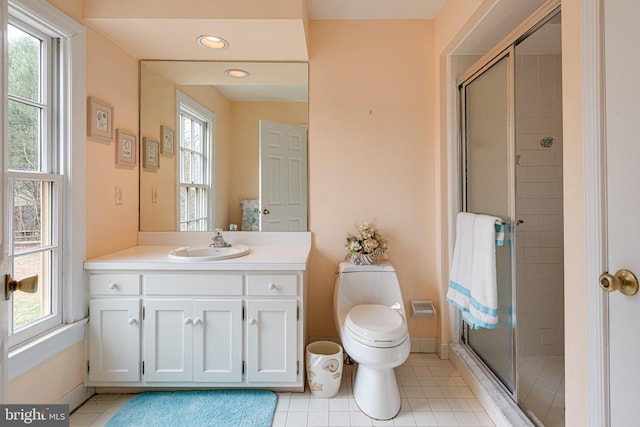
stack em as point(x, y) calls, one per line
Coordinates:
point(433, 394)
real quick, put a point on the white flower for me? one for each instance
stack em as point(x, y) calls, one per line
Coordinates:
point(369, 245)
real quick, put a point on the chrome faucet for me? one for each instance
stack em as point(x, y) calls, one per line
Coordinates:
point(218, 240)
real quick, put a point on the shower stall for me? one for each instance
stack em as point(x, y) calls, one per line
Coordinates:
point(511, 164)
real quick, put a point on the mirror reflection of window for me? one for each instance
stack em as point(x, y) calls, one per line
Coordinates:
point(195, 166)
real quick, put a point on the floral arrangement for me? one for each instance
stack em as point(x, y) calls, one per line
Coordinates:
point(366, 245)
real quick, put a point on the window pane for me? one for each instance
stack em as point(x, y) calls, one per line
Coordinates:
point(191, 203)
point(186, 167)
point(183, 203)
point(31, 214)
point(186, 126)
point(29, 307)
point(24, 64)
point(24, 137)
point(197, 137)
point(197, 177)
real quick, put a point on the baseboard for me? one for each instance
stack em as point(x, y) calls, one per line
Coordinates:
point(77, 396)
point(442, 350)
point(423, 345)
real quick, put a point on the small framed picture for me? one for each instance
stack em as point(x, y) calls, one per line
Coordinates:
point(167, 136)
point(100, 120)
point(150, 153)
point(126, 148)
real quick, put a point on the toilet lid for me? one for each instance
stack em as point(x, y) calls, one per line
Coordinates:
point(376, 324)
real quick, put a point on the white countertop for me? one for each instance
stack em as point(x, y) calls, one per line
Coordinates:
point(156, 258)
point(286, 251)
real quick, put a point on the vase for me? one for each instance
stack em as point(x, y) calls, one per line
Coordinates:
point(363, 259)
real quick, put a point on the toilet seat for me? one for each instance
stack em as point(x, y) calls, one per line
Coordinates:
point(376, 325)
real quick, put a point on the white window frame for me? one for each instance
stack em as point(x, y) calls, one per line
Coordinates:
point(71, 131)
point(183, 101)
point(49, 172)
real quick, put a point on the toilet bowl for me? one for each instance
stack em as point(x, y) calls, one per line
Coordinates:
point(371, 322)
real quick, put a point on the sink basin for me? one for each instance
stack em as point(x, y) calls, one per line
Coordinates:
point(200, 254)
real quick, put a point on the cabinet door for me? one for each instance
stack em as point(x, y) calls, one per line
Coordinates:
point(217, 345)
point(272, 337)
point(168, 340)
point(114, 340)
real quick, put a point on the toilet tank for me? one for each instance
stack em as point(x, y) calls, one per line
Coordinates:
point(368, 284)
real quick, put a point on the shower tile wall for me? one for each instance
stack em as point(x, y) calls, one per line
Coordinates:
point(540, 296)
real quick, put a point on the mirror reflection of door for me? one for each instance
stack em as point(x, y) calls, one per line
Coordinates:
point(283, 177)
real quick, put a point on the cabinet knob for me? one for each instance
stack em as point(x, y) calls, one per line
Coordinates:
point(188, 321)
point(113, 286)
point(132, 321)
point(252, 321)
point(271, 286)
point(197, 321)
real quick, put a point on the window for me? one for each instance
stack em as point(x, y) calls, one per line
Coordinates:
point(45, 234)
point(195, 171)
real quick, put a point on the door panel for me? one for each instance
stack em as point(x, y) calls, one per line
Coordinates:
point(623, 175)
point(217, 340)
point(168, 340)
point(488, 189)
point(114, 348)
point(283, 177)
point(272, 340)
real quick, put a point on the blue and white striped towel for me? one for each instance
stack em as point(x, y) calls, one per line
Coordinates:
point(473, 283)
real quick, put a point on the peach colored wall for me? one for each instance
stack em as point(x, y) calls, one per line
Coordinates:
point(576, 397)
point(245, 117)
point(158, 101)
point(50, 381)
point(371, 155)
point(112, 76)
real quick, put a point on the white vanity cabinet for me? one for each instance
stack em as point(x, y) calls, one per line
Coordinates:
point(193, 327)
point(272, 323)
point(114, 310)
point(197, 328)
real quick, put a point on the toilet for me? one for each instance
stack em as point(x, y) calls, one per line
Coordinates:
point(369, 315)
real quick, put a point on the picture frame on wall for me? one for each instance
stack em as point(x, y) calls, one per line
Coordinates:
point(150, 153)
point(167, 136)
point(99, 120)
point(126, 148)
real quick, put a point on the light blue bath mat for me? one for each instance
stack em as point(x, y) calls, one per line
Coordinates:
point(219, 408)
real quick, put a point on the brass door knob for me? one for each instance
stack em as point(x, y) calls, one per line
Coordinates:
point(266, 211)
point(28, 284)
point(624, 281)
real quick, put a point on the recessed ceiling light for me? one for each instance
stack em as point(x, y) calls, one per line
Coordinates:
point(236, 73)
point(213, 42)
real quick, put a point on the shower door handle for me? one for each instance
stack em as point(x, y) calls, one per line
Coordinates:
point(624, 281)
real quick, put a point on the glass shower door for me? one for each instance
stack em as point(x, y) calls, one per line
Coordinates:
point(488, 182)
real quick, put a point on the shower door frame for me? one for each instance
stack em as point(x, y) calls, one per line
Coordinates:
point(504, 49)
point(509, 54)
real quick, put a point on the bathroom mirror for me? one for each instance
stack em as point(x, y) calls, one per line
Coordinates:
point(220, 175)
